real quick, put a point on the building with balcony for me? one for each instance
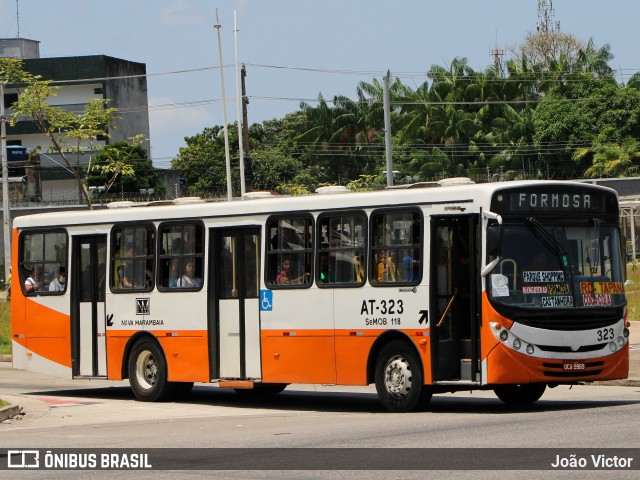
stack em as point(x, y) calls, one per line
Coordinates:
point(80, 78)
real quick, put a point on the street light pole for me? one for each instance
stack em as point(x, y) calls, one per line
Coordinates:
point(6, 209)
point(224, 113)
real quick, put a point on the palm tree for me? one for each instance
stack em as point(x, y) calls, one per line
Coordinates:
point(611, 159)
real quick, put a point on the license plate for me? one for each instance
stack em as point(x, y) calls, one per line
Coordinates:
point(573, 366)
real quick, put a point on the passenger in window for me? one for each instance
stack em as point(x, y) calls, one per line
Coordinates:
point(33, 282)
point(386, 268)
point(174, 275)
point(326, 276)
point(358, 265)
point(411, 264)
point(189, 279)
point(148, 272)
point(284, 277)
point(124, 269)
point(59, 282)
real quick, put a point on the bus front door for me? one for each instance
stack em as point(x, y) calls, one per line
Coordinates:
point(454, 299)
point(88, 330)
point(234, 314)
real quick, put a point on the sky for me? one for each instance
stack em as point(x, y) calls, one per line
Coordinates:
point(296, 49)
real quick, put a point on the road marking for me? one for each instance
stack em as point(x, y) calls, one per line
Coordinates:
point(59, 402)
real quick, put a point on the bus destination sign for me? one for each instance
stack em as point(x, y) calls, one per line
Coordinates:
point(549, 201)
point(553, 202)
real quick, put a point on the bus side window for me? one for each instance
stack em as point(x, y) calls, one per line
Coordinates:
point(132, 258)
point(181, 259)
point(43, 263)
point(289, 251)
point(341, 253)
point(396, 250)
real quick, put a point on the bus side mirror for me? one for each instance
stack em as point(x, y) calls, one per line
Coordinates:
point(494, 232)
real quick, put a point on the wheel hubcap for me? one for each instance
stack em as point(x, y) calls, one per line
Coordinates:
point(397, 377)
point(146, 369)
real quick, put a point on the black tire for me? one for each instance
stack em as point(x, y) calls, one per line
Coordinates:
point(148, 372)
point(262, 390)
point(524, 394)
point(399, 379)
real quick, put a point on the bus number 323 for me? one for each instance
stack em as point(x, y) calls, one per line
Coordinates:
point(605, 334)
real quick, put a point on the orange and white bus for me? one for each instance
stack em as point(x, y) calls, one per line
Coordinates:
point(510, 286)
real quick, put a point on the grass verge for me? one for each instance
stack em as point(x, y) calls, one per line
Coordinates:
point(5, 327)
point(633, 291)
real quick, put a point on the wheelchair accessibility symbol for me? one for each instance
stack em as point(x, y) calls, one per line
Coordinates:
point(266, 300)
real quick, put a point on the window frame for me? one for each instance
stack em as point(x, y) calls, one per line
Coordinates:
point(373, 249)
point(112, 256)
point(270, 253)
point(22, 271)
point(160, 257)
point(319, 250)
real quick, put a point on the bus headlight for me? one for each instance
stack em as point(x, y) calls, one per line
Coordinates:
point(504, 335)
point(517, 344)
point(620, 342)
point(530, 349)
point(625, 332)
point(613, 347)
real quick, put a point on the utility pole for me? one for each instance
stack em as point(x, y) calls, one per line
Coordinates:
point(243, 185)
point(224, 114)
point(245, 131)
point(6, 208)
point(245, 102)
point(387, 129)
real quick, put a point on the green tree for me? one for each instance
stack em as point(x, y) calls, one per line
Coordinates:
point(125, 167)
point(202, 162)
point(611, 159)
point(596, 112)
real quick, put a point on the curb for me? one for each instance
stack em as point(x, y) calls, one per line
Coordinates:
point(629, 382)
point(5, 358)
point(9, 412)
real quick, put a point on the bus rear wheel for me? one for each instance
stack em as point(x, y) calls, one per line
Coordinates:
point(399, 379)
point(524, 394)
point(148, 372)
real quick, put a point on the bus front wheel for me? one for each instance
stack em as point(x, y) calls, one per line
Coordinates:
point(399, 379)
point(524, 394)
point(148, 372)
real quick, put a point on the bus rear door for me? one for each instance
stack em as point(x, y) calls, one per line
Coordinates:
point(88, 330)
point(234, 315)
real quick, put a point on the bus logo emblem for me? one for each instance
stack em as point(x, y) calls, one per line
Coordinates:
point(143, 306)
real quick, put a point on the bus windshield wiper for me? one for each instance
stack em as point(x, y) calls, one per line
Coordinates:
point(553, 244)
point(549, 241)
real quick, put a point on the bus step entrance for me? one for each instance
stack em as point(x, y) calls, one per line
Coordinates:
point(465, 369)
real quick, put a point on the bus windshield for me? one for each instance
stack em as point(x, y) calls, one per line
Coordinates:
point(544, 265)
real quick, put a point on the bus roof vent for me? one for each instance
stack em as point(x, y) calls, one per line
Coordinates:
point(332, 189)
point(256, 195)
point(413, 185)
point(123, 204)
point(450, 182)
point(187, 200)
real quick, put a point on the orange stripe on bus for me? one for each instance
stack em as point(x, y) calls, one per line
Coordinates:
point(186, 352)
point(42, 330)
